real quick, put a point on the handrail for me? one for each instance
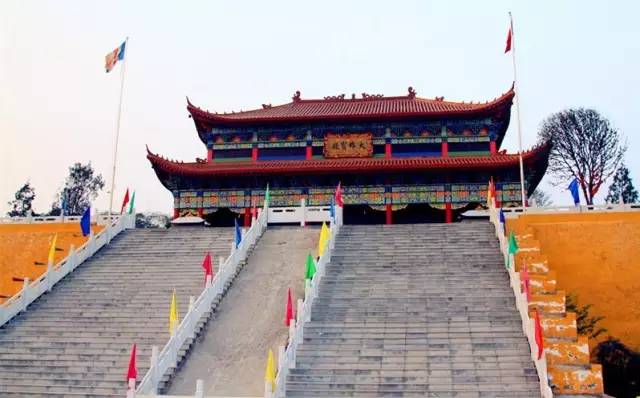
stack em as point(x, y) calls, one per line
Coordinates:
point(607, 207)
point(287, 356)
point(168, 357)
point(528, 324)
point(55, 272)
point(100, 219)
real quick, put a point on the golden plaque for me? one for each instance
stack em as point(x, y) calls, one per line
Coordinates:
point(348, 145)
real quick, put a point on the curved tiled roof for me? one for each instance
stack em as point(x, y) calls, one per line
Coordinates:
point(349, 165)
point(341, 108)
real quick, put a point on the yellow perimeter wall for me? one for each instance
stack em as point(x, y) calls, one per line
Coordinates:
point(21, 245)
point(597, 257)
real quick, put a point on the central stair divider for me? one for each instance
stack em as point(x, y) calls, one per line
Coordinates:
point(168, 358)
point(287, 355)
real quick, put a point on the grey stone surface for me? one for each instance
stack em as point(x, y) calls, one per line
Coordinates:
point(75, 340)
point(415, 311)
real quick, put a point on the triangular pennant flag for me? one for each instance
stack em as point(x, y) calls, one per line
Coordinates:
point(52, 249)
point(132, 372)
point(311, 267)
point(124, 201)
point(173, 313)
point(507, 48)
point(238, 233)
point(324, 238)
point(538, 333)
point(573, 188)
point(513, 248)
point(270, 372)
point(489, 192)
point(338, 196)
point(208, 268)
point(267, 196)
point(85, 222)
point(289, 316)
point(525, 282)
point(132, 203)
point(332, 209)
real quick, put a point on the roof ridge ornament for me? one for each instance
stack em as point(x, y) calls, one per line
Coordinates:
point(267, 106)
point(296, 96)
point(371, 96)
point(412, 93)
point(339, 97)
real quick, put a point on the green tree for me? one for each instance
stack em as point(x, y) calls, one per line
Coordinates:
point(622, 187)
point(585, 146)
point(22, 203)
point(81, 187)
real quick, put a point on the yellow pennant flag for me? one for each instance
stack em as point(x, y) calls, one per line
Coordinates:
point(324, 238)
point(489, 194)
point(52, 249)
point(270, 372)
point(173, 313)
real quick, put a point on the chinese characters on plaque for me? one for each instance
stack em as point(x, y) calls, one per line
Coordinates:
point(348, 145)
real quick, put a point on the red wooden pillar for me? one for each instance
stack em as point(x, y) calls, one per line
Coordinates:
point(309, 153)
point(247, 216)
point(448, 213)
point(176, 213)
point(445, 149)
point(209, 154)
point(387, 149)
point(200, 212)
point(388, 214)
point(254, 154)
point(492, 147)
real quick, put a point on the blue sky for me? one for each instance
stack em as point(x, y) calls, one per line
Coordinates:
point(58, 106)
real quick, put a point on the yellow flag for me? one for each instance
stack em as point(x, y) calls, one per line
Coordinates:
point(173, 313)
point(324, 238)
point(489, 194)
point(270, 373)
point(52, 249)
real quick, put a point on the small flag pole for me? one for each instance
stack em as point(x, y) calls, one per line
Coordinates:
point(115, 149)
point(517, 88)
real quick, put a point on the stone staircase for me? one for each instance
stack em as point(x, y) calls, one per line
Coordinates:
point(75, 341)
point(415, 311)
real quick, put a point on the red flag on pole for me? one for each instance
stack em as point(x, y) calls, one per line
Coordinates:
point(132, 373)
point(289, 311)
point(526, 282)
point(492, 187)
point(338, 196)
point(208, 268)
point(508, 46)
point(538, 333)
point(125, 201)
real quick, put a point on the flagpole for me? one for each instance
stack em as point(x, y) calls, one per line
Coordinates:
point(115, 149)
point(515, 84)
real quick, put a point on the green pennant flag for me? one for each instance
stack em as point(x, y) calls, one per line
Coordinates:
point(311, 267)
point(131, 203)
point(267, 196)
point(513, 247)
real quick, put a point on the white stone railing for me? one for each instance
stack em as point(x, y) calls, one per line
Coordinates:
point(528, 324)
point(302, 214)
point(100, 219)
point(168, 357)
point(603, 208)
point(287, 356)
point(55, 272)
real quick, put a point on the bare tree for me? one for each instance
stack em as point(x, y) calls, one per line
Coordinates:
point(585, 146)
point(541, 198)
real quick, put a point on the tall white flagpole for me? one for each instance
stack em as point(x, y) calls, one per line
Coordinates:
point(115, 149)
point(515, 83)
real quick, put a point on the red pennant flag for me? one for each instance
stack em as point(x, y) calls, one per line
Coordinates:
point(288, 317)
point(208, 268)
point(125, 201)
point(338, 196)
point(492, 188)
point(538, 333)
point(132, 373)
point(508, 47)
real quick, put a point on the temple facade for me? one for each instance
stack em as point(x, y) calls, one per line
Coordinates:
point(399, 159)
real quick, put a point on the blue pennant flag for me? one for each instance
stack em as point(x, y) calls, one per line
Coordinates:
point(238, 233)
point(332, 209)
point(573, 187)
point(503, 222)
point(85, 222)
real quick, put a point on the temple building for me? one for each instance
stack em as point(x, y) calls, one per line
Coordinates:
point(399, 159)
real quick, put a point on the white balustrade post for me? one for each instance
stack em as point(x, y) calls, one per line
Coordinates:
point(208, 281)
point(281, 357)
point(192, 301)
point(153, 368)
point(72, 258)
point(25, 293)
point(131, 391)
point(220, 263)
point(303, 208)
point(29, 216)
point(49, 273)
point(199, 389)
point(268, 389)
point(307, 286)
point(299, 310)
point(292, 331)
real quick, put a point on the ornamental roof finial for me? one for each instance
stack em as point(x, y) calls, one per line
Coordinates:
point(296, 96)
point(412, 92)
